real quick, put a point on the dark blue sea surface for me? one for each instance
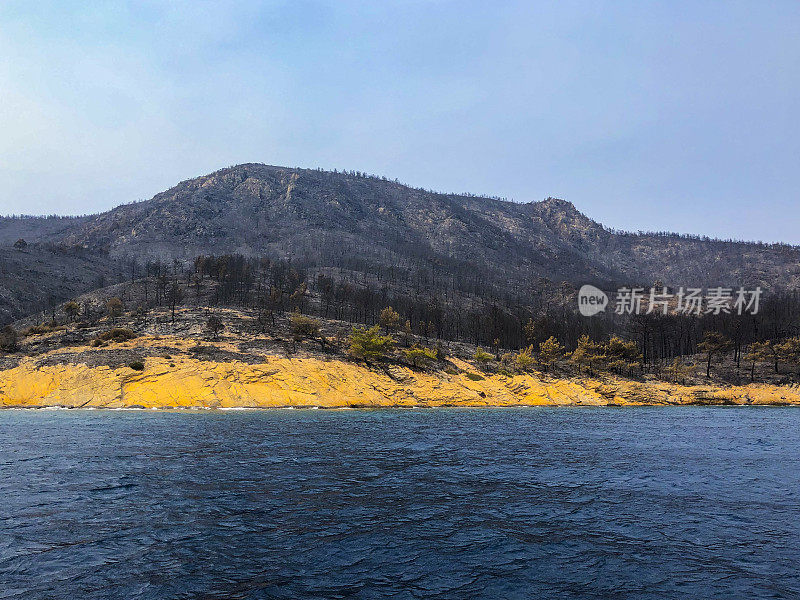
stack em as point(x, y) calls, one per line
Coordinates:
point(507, 503)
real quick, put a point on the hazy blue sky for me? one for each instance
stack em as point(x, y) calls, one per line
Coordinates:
point(674, 115)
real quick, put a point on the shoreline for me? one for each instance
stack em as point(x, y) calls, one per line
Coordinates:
point(285, 383)
point(198, 409)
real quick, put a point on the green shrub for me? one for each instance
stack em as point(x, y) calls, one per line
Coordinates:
point(419, 356)
point(369, 344)
point(304, 327)
point(481, 356)
point(117, 334)
point(524, 359)
point(389, 319)
point(550, 352)
point(43, 328)
point(137, 365)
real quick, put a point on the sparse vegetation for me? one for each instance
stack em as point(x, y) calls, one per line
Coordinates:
point(615, 355)
point(72, 309)
point(679, 371)
point(114, 308)
point(758, 352)
point(117, 334)
point(304, 327)
point(369, 345)
point(714, 345)
point(389, 319)
point(524, 359)
point(476, 302)
point(619, 356)
point(587, 355)
point(481, 356)
point(215, 326)
point(419, 356)
point(9, 339)
point(42, 329)
point(789, 352)
point(550, 352)
point(174, 297)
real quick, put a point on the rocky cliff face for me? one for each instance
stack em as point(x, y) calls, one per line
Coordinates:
point(309, 382)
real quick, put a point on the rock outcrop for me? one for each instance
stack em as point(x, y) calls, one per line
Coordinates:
point(313, 382)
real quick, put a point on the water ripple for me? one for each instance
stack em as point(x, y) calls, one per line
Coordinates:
point(551, 503)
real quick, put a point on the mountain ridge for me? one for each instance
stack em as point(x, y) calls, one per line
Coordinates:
point(372, 227)
point(553, 203)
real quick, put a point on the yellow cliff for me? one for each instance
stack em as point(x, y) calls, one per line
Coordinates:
point(314, 382)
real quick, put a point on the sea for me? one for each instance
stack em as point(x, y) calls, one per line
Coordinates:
point(644, 503)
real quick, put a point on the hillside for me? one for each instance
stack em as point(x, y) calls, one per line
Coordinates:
point(368, 228)
point(150, 361)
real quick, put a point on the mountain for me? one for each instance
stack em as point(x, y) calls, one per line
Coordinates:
point(368, 227)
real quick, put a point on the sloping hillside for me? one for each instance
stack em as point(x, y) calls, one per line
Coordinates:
point(373, 227)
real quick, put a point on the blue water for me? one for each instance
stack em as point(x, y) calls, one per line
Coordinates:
point(524, 503)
